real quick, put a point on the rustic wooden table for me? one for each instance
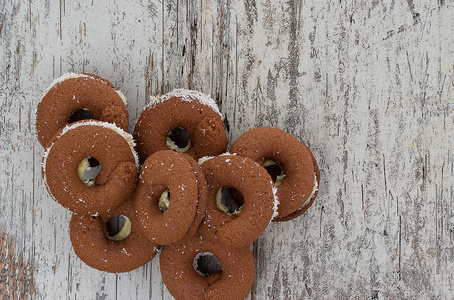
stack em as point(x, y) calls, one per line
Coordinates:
point(367, 85)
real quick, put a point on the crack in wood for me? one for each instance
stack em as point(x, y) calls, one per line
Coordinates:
point(16, 274)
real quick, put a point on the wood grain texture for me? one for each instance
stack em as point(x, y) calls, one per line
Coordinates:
point(367, 85)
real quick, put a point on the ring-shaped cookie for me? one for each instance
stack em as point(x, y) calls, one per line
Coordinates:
point(183, 282)
point(308, 202)
point(257, 189)
point(193, 111)
point(72, 92)
point(299, 187)
point(166, 170)
point(201, 198)
point(111, 146)
point(89, 238)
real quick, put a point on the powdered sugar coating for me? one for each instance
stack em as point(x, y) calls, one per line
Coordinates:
point(314, 190)
point(308, 200)
point(188, 96)
point(276, 203)
point(122, 96)
point(128, 138)
point(67, 76)
point(205, 158)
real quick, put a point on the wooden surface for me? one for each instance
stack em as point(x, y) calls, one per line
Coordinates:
point(367, 85)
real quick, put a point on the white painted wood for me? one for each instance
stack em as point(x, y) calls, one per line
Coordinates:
point(368, 85)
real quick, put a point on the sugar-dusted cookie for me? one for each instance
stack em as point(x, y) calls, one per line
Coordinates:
point(108, 144)
point(241, 200)
point(186, 276)
point(167, 199)
point(182, 120)
point(73, 97)
point(291, 163)
point(111, 241)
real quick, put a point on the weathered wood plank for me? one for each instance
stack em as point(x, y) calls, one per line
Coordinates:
point(367, 85)
point(41, 43)
point(377, 128)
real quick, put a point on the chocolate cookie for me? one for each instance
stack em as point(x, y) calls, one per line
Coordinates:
point(111, 146)
point(111, 241)
point(201, 198)
point(182, 120)
point(241, 201)
point(186, 277)
point(73, 97)
point(167, 197)
point(294, 168)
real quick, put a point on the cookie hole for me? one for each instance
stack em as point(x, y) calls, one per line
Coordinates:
point(206, 264)
point(80, 114)
point(275, 170)
point(88, 170)
point(118, 228)
point(178, 140)
point(229, 200)
point(164, 201)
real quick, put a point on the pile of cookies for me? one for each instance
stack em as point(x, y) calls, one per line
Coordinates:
point(177, 187)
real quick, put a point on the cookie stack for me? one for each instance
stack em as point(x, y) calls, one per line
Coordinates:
point(202, 204)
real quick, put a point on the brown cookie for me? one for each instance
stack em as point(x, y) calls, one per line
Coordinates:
point(166, 198)
point(99, 248)
point(300, 182)
point(249, 188)
point(81, 93)
point(309, 202)
point(111, 146)
point(201, 198)
point(234, 281)
point(188, 116)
